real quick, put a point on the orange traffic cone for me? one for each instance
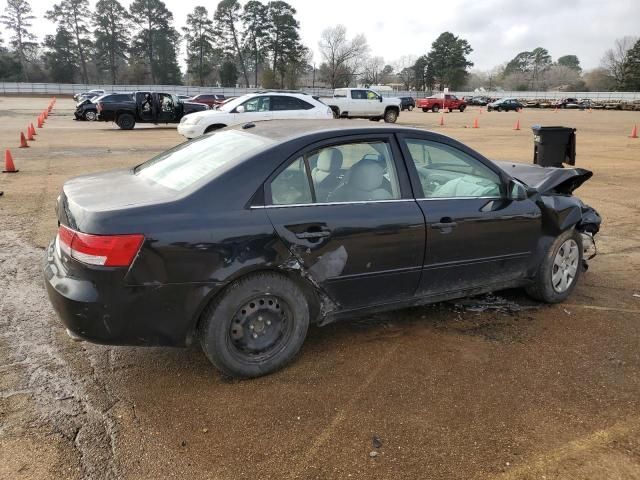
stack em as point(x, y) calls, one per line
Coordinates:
point(517, 125)
point(634, 132)
point(29, 134)
point(46, 114)
point(442, 120)
point(23, 141)
point(9, 167)
point(40, 122)
point(33, 130)
point(475, 123)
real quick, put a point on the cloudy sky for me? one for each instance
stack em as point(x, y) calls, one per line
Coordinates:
point(496, 29)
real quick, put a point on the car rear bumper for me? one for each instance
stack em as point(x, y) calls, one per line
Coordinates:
point(102, 308)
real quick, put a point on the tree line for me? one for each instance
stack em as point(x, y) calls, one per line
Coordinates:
point(258, 44)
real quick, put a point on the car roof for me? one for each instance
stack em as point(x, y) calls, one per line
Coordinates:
point(283, 130)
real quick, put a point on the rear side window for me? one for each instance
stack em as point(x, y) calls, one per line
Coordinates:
point(289, 103)
point(351, 172)
point(359, 94)
point(188, 163)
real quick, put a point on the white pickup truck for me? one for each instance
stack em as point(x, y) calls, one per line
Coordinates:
point(363, 103)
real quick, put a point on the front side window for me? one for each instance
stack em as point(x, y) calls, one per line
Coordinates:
point(446, 172)
point(257, 104)
point(372, 95)
point(352, 172)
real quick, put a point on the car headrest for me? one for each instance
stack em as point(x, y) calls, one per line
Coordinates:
point(366, 175)
point(329, 160)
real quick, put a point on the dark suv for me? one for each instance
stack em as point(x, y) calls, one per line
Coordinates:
point(407, 103)
point(87, 109)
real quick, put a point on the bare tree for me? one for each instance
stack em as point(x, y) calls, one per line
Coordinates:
point(405, 71)
point(372, 67)
point(342, 57)
point(615, 58)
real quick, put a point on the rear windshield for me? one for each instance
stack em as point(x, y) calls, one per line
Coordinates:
point(185, 164)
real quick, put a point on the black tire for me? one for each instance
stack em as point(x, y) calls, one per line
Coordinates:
point(489, 109)
point(233, 325)
point(435, 109)
point(462, 107)
point(336, 112)
point(410, 108)
point(126, 121)
point(543, 288)
point(90, 115)
point(425, 110)
point(498, 109)
point(391, 115)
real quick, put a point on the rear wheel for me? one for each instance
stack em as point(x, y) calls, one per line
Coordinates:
point(410, 108)
point(560, 269)
point(498, 109)
point(391, 115)
point(126, 121)
point(256, 327)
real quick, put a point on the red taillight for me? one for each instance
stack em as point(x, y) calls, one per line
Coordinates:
point(105, 250)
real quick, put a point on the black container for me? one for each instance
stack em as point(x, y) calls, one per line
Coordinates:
point(554, 146)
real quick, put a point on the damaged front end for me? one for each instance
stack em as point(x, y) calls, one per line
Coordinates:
point(552, 190)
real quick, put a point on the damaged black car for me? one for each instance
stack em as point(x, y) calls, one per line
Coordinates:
point(240, 239)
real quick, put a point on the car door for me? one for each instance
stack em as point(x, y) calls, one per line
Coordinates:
point(476, 236)
point(345, 212)
point(358, 103)
point(255, 109)
point(373, 105)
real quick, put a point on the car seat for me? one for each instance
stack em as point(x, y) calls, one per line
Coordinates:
point(364, 182)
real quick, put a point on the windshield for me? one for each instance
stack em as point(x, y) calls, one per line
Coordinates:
point(185, 164)
point(230, 105)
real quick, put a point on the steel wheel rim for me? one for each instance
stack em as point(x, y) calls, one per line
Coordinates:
point(90, 116)
point(565, 266)
point(260, 329)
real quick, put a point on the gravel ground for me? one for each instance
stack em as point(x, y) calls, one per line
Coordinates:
point(435, 392)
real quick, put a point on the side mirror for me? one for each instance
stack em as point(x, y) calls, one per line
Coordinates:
point(380, 97)
point(240, 109)
point(517, 191)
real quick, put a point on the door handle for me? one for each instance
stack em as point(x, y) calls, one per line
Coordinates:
point(312, 235)
point(442, 225)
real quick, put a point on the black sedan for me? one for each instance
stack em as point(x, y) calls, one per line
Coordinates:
point(240, 239)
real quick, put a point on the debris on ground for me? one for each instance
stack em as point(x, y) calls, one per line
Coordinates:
point(373, 454)
point(491, 302)
point(376, 442)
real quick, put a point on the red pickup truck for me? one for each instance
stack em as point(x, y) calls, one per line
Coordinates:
point(436, 102)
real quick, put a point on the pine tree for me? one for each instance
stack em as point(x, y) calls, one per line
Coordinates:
point(631, 78)
point(156, 42)
point(72, 17)
point(448, 59)
point(225, 19)
point(61, 57)
point(17, 18)
point(200, 44)
point(111, 36)
point(254, 21)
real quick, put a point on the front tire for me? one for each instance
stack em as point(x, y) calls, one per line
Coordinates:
point(462, 107)
point(560, 269)
point(391, 115)
point(435, 109)
point(256, 327)
point(90, 115)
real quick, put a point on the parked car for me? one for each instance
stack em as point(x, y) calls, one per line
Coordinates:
point(363, 103)
point(407, 103)
point(252, 108)
point(213, 100)
point(505, 105)
point(88, 109)
point(479, 101)
point(90, 94)
point(437, 102)
point(239, 240)
point(146, 107)
point(564, 102)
